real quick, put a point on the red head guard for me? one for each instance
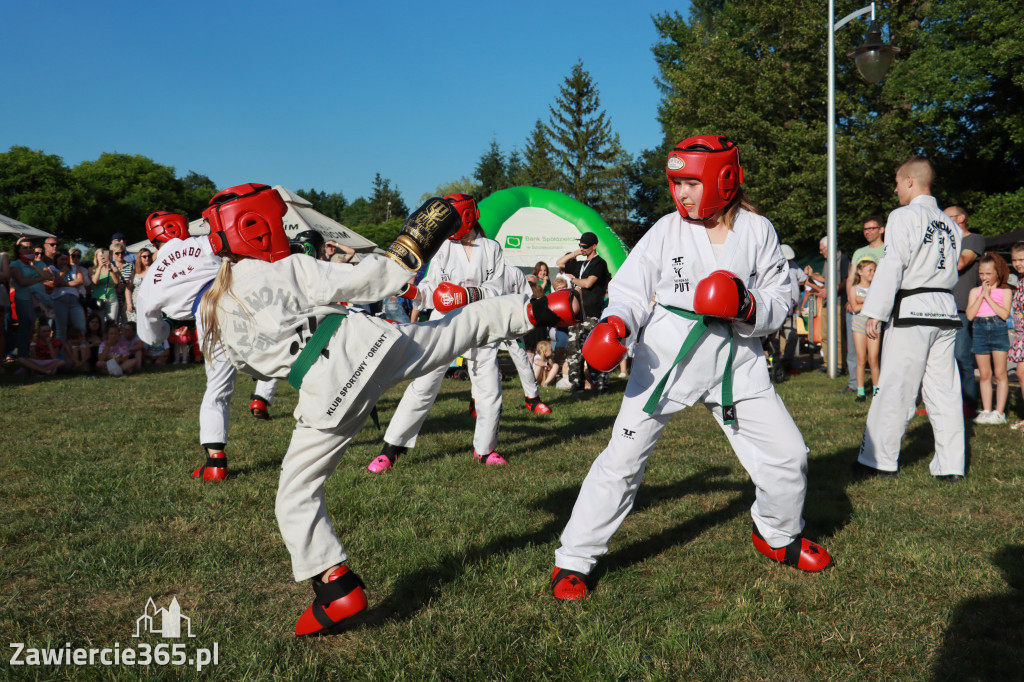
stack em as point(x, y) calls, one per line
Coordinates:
point(465, 206)
point(245, 220)
point(712, 159)
point(162, 227)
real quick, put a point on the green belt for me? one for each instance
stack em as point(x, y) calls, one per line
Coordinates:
point(324, 331)
point(691, 340)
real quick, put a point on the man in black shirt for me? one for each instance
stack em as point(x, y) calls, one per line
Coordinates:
point(589, 273)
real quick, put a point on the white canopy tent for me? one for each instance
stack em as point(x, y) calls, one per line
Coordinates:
point(12, 226)
point(301, 216)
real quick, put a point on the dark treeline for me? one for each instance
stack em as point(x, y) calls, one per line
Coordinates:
point(755, 72)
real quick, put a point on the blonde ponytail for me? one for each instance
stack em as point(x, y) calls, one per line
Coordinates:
point(208, 308)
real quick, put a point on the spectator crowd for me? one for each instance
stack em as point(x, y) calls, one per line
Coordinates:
point(61, 314)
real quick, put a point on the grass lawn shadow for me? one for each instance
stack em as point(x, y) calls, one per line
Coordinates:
point(985, 637)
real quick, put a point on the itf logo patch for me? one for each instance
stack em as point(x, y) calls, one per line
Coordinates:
point(513, 242)
point(163, 622)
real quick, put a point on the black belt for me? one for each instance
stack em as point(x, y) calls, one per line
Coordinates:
point(913, 322)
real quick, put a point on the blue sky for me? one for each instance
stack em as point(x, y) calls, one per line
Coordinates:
point(316, 94)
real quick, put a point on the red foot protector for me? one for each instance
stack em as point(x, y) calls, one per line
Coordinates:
point(569, 585)
point(259, 408)
point(536, 406)
point(801, 553)
point(341, 597)
point(215, 469)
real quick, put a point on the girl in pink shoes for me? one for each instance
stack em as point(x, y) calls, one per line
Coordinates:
point(988, 307)
point(1016, 353)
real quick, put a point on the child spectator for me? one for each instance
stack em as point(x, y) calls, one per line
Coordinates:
point(94, 338)
point(1016, 353)
point(43, 352)
point(157, 354)
point(76, 351)
point(561, 339)
point(989, 306)
point(544, 367)
point(181, 340)
point(541, 277)
point(115, 359)
point(135, 345)
point(867, 349)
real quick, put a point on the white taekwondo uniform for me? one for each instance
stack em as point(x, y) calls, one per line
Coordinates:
point(515, 283)
point(913, 286)
point(179, 272)
point(269, 323)
point(484, 269)
point(665, 266)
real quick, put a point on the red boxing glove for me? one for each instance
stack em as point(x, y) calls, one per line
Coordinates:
point(560, 309)
point(409, 292)
point(722, 294)
point(603, 349)
point(449, 296)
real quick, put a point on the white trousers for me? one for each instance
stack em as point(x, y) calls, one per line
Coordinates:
point(314, 454)
point(765, 439)
point(216, 406)
point(916, 358)
point(419, 397)
point(522, 362)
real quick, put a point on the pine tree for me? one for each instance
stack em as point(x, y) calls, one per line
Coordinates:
point(386, 203)
point(582, 138)
point(538, 165)
point(490, 171)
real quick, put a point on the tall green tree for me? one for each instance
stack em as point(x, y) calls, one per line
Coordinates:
point(538, 163)
point(515, 171)
point(583, 145)
point(386, 203)
point(757, 72)
point(463, 185)
point(357, 213)
point(38, 189)
point(331, 204)
point(491, 171)
point(196, 192)
point(649, 195)
point(127, 188)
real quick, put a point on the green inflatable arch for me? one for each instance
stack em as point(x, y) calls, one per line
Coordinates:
point(501, 205)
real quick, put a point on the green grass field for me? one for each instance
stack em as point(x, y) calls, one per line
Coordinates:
point(98, 514)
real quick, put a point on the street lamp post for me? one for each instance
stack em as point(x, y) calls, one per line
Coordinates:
point(873, 59)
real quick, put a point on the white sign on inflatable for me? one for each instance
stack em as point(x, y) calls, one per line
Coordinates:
point(533, 235)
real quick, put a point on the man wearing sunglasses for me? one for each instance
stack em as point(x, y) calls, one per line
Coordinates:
point(50, 250)
point(589, 274)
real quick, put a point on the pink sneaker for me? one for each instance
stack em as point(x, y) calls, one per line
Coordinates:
point(491, 460)
point(381, 464)
point(387, 458)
